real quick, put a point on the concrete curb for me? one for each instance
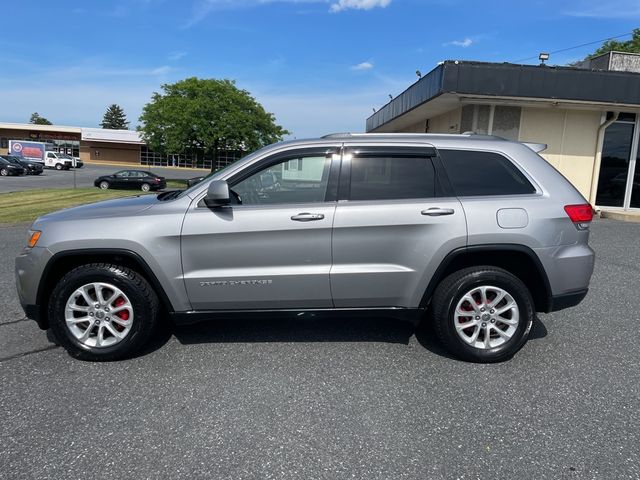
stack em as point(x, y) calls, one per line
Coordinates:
point(622, 216)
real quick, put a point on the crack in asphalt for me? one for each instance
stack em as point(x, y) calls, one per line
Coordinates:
point(24, 354)
point(14, 321)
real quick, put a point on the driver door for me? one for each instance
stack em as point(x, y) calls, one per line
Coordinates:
point(270, 249)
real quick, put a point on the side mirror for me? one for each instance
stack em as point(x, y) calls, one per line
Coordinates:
point(217, 194)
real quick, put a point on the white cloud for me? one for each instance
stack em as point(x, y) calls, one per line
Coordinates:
point(467, 42)
point(175, 56)
point(341, 5)
point(610, 9)
point(362, 66)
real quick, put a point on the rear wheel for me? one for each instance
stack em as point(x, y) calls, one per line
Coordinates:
point(145, 187)
point(482, 314)
point(104, 185)
point(103, 312)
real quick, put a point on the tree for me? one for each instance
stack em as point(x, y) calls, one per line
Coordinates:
point(198, 115)
point(631, 46)
point(114, 118)
point(38, 120)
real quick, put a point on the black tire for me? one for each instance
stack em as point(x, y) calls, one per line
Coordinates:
point(4, 172)
point(145, 187)
point(104, 185)
point(59, 166)
point(141, 295)
point(450, 292)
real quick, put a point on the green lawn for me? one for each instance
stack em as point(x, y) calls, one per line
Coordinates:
point(27, 206)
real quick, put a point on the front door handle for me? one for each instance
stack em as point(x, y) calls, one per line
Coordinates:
point(307, 217)
point(437, 211)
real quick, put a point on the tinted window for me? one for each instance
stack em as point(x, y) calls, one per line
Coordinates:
point(483, 173)
point(388, 178)
point(298, 180)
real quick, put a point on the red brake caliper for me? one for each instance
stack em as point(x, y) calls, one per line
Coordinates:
point(123, 314)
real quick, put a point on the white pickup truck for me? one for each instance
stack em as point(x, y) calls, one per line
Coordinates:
point(61, 161)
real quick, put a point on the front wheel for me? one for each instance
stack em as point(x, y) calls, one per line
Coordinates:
point(482, 314)
point(59, 166)
point(4, 172)
point(104, 185)
point(103, 312)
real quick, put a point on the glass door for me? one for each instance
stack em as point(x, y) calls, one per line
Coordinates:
point(617, 166)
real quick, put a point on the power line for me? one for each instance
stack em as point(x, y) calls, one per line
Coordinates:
point(577, 46)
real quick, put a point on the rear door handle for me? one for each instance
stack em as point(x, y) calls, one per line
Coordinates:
point(437, 211)
point(307, 217)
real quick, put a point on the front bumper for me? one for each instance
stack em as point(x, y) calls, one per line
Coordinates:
point(29, 269)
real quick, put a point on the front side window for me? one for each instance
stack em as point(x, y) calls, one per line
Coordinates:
point(298, 180)
point(390, 178)
point(474, 173)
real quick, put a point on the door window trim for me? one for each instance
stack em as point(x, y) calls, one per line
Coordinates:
point(441, 189)
point(333, 153)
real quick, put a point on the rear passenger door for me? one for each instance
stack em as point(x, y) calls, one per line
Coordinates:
point(394, 223)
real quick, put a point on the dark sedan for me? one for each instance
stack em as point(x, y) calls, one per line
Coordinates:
point(31, 168)
point(9, 168)
point(138, 179)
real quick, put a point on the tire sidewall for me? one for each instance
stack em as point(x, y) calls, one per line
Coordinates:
point(4, 172)
point(147, 189)
point(93, 275)
point(526, 314)
point(104, 185)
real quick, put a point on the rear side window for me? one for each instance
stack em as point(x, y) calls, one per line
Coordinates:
point(483, 173)
point(391, 177)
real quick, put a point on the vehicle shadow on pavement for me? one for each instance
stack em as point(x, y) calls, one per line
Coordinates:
point(303, 328)
point(308, 328)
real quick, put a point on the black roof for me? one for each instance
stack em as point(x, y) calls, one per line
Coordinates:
point(513, 80)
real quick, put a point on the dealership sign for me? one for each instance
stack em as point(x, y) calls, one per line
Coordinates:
point(29, 150)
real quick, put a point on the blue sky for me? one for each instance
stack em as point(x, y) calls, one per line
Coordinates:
point(318, 65)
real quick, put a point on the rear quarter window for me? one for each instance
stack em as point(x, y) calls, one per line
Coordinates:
point(474, 173)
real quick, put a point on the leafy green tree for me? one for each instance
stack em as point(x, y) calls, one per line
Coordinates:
point(114, 118)
point(38, 120)
point(631, 46)
point(205, 116)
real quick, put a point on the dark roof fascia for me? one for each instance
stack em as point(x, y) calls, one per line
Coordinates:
point(514, 81)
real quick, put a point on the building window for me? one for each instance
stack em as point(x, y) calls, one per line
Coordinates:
point(500, 120)
point(506, 122)
point(4, 142)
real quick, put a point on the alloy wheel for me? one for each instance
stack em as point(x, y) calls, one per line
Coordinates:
point(486, 317)
point(99, 315)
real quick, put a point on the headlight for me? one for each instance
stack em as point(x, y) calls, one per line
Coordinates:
point(34, 236)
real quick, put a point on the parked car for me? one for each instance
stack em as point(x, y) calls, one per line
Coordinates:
point(473, 233)
point(194, 181)
point(31, 168)
point(10, 168)
point(138, 179)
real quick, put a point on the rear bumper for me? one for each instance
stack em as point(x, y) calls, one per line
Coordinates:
point(567, 300)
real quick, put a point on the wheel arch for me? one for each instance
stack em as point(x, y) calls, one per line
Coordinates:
point(63, 262)
point(519, 260)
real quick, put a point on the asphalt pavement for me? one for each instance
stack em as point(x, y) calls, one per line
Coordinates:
point(85, 176)
point(330, 399)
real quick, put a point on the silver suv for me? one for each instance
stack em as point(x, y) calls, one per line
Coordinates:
point(475, 233)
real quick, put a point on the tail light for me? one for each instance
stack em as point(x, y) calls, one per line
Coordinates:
point(158, 180)
point(581, 215)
